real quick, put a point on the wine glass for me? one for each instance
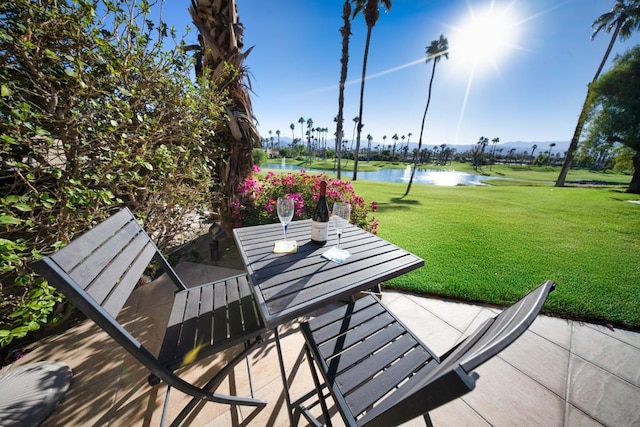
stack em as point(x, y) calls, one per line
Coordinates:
point(285, 212)
point(340, 217)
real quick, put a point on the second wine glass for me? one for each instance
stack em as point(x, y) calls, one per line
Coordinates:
point(285, 208)
point(340, 217)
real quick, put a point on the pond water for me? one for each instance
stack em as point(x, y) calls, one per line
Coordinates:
point(422, 176)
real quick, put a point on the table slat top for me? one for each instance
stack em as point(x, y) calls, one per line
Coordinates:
point(288, 286)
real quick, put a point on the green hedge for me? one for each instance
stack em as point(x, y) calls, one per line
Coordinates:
point(96, 112)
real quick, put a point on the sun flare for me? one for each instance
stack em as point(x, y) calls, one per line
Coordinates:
point(480, 42)
point(485, 36)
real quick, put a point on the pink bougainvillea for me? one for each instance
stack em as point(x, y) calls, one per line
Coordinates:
point(260, 192)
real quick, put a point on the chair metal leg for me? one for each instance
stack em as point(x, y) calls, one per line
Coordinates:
point(163, 417)
point(217, 379)
point(249, 372)
point(283, 374)
point(427, 419)
point(316, 380)
point(298, 405)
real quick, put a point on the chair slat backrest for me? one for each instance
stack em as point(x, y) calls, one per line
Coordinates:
point(98, 271)
point(108, 260)
point(453, 377)
point(504, 330)
point(69, 257)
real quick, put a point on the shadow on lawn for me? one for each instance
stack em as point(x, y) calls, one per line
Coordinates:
point(397, 203)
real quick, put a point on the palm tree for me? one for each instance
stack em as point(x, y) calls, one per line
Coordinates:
point(436, 50)
point(482, 142)
point(492, 152)
point(319, 138)
point(369, 139)
point(356, 120)
point(371, 10)
point(395, 141)
point(623, 19)
point(323, 133)
point(345, 31)
point(309, 135)
point(533, 150)
point(338, 149)
point(495, 142)
point(301, 120)
point(448, 152)
point(443, 148)
point(293, 137)
point(220, 38)
point(553, 144)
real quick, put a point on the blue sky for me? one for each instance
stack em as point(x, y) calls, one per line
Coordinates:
point(530, 89)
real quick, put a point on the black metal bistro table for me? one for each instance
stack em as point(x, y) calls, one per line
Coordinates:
point(289, 286)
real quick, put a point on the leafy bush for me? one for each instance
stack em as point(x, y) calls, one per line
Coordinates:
point(95, 113)
point(260, 193)
point(259, 156)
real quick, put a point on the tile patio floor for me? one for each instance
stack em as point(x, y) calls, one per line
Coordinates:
point(559, 373)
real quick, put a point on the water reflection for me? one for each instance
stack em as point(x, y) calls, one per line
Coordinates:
point(422, 176)
point(442, 177)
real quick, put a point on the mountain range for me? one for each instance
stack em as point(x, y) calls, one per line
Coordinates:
point(519, 146)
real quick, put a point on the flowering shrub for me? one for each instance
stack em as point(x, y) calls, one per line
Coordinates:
point(260, 193)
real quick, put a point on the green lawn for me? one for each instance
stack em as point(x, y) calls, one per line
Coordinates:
point(492, 244)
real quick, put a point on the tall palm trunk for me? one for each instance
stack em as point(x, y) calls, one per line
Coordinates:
point(221, 44)
point(436, 50)
point(364, 74)
point(634, 185)
point(424, 117)
point(345, 31)
point(371, 13)
point(582, 118)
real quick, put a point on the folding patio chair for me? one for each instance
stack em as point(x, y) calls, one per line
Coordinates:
point(380, 374)
point(98, 272)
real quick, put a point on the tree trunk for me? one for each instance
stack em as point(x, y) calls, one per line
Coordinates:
point(424, 117)
point(634, 185)
point(221, 44)
point(364, 74)
point(583, 114)
point(574, 141)
point(344, 60)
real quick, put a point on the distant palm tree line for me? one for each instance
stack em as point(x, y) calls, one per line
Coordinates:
point(480, 154)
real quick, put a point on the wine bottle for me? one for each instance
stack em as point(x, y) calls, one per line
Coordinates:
point(320, 219)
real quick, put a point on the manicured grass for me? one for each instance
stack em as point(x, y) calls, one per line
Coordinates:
point(492, 244)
